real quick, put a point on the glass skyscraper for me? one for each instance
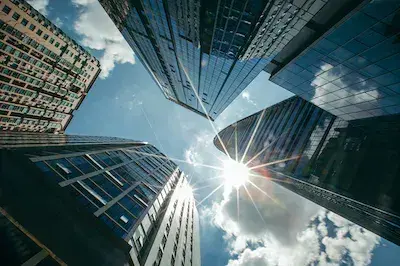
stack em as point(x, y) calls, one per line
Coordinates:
point(210, 48)
point(347, 62)
point(348, 167)
point(94, 201)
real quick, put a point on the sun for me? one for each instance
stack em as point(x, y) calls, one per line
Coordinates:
point(235, 174)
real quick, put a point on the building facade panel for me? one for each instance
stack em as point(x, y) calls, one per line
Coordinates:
point(122, 187)
point(44, 75)
point(352, 69)
point(203, 54)
point(297, 142)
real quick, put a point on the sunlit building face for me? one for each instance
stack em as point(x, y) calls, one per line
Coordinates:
point(44, 74)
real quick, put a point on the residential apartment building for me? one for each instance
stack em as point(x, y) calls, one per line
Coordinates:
point(203, 54)
point(84, 200)
point(349, 167)
point(44, 74)
point(346, 61)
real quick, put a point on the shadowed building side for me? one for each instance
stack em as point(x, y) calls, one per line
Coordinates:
point(349, 167)
point(87, 200)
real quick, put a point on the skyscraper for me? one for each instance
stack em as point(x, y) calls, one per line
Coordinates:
point(348, 167)
point(83, 200)
point(205, 53)
point(44, 74)
point(347, 62)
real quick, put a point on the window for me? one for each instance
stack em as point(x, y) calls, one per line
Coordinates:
point(152, 219)
point(57, 44)
point(138, 242)
point(164, 241)
point(6, 9)
point(124, 219)
point(32, 27)
point(46, 36)
point(24, 22)
point(172, 260)
point(159, 257)
point(64, 168)
point(39, 32)
point(51, 40)
point(16, 16)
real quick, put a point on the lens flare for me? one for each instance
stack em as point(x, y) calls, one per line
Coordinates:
point(235, 174)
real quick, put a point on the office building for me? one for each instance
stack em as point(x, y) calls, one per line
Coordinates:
point(44, 74)
point(83, 200)
point(347, 62)
point(348, 167)
point(205, 53)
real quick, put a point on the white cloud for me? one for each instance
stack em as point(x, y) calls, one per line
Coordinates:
point(58, 22)
point(83, 2)
point(283, 213)
point(246, 95)
point(99, 32)
point(292, 230)
point(40, 5)
point(359, 244)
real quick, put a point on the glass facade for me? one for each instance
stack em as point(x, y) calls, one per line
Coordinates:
point(125, 180)
point(123, 185)
point(320, 155)
point(352, 70)
point(203, 54)
point(120, 181)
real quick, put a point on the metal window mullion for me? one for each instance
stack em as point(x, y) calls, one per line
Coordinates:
point(36, 259)
point(115, 200)
point(61, 144)
point(101, 171)
point(60, 156)
point(145, 212)
point(155, 170)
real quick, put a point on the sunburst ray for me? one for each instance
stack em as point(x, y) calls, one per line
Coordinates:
point(207, 179)
point(266, 147)
point(204, 109)
point(252, 136)
point(236, 144)
point(274, 162)
point(203, 187)
point(209, 195)
point(266, 194)
point(271, 178)
point(151, 126)
point(254, 204)
point(237, 204)
point(177, 160)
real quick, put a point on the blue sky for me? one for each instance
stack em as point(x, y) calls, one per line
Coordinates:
point(125, 102)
